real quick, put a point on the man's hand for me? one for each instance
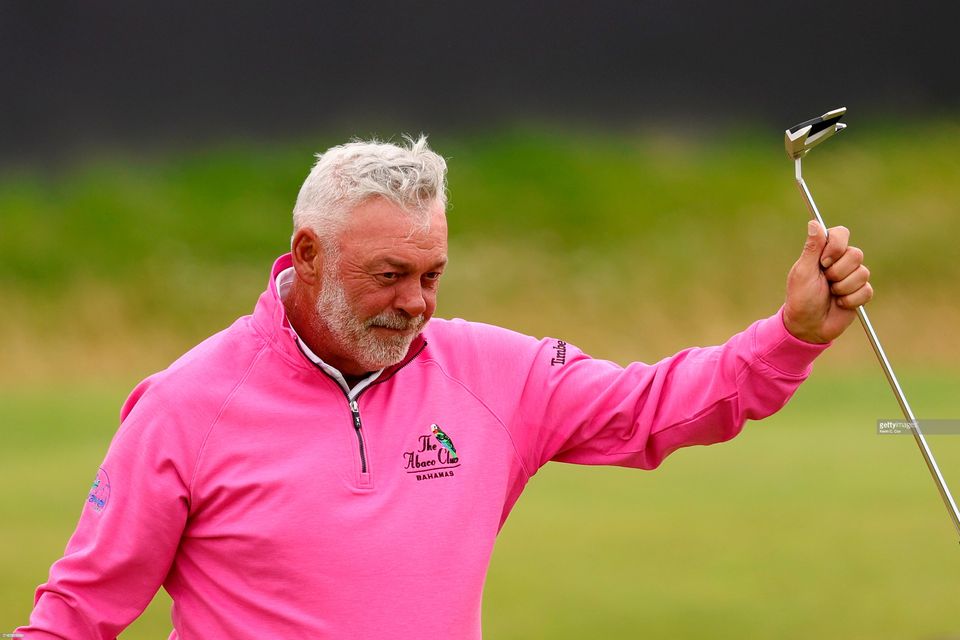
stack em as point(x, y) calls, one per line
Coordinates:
point(825, 286)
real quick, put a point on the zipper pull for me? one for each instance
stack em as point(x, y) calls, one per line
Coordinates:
point(355, 409)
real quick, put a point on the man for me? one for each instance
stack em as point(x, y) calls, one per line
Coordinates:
point(332, 466)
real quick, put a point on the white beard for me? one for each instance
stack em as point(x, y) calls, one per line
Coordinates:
point(356, 337)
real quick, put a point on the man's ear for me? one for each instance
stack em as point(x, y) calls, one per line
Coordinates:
point(307, 256)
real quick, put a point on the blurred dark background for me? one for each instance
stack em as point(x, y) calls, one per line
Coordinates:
point(153, 75)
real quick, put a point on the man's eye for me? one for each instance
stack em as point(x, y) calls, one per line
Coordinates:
point(390, 275)
point(433, 275)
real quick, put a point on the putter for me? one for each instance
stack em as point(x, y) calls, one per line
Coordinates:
point(799, 139)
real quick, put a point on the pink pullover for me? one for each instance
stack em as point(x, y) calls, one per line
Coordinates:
point(244, 481)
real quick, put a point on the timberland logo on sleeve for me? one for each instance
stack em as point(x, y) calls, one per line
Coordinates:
point(435, 456)
point(561, 354)
point(99, 491)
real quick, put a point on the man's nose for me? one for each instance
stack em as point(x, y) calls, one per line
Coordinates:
point(410, 298)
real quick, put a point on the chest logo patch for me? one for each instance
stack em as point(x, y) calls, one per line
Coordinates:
point(434, 456)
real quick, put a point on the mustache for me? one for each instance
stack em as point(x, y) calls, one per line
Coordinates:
point(393, 320)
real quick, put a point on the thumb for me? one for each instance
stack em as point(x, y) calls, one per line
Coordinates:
point(813, 247)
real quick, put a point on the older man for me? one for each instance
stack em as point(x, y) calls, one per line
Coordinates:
point(333, 466)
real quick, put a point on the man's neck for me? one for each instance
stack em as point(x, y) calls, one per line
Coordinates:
point(353, 381)
point(298, 310)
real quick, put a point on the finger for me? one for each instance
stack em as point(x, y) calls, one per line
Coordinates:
point(851, 283)
point(861, 296)
point(839, 238)
point(849, 262)
point(808, 265)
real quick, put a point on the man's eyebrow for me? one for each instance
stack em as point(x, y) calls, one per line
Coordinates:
point(406, 266)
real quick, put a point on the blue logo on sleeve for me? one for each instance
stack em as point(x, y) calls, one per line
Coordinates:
point(99, 491)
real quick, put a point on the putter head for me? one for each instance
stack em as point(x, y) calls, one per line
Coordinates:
point(800, 138)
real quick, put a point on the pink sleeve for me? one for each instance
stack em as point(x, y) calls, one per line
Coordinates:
point(128, 532)
point(577, 409)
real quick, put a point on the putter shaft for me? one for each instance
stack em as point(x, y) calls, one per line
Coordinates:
point(891, 376)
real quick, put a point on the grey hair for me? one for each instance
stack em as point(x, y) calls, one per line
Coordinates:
point(411, 176)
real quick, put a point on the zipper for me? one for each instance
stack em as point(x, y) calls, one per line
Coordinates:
point(355, 409)
point(357, 425)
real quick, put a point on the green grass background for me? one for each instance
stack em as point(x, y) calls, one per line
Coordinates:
point(632, 245)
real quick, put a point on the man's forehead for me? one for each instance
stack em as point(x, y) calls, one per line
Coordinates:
point(379, 215)
point(381, 234)
point(400, 234)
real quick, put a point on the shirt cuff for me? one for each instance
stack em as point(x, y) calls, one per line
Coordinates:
point(780, 349)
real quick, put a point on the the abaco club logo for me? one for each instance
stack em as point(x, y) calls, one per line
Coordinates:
point(435, 456)
point(99, 491)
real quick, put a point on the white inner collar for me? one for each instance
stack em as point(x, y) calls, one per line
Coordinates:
point(284, 282)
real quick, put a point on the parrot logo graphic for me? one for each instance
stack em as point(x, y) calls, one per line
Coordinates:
point(443, 439)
